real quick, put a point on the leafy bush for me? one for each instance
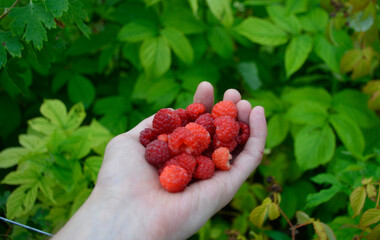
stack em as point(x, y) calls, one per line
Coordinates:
point(313, 65)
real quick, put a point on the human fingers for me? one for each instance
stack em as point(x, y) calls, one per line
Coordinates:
point(244, 110)
point(205, 95)
point(232, 95)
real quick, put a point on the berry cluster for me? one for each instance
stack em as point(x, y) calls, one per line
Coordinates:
point(186, 145)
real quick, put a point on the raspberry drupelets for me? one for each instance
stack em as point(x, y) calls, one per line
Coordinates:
point(186, 145)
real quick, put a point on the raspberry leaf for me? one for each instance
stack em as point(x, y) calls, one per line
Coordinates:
point(179, 44)
point(57, 7)
point(297, 52)
point(287, 22)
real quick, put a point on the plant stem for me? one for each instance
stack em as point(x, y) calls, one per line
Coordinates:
point(289, 222)
point(378, 198)
point(9, 9)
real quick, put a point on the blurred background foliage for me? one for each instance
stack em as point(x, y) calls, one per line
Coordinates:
point(313, 65)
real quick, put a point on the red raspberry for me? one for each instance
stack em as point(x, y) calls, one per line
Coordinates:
point(221, 157)
point(201, 135)
point(194, 110)
point(183, 160)
point(174, 178)
point(244, 133)
point(182, 140)
point(146, 136)
point(207, 121)
point(163, 137)
point(165, 121)
point(183, 116)
point(226, 128)
point(208, 152)
point(216, 143)
point(225, 108)
point(157, 153)
point(205, 168)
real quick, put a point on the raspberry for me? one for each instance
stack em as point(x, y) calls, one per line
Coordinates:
point(157, 153)
point(226, 128)
point(195, 110)
point(165, 121)
point(183, 160)
point(201, 135)
point(244, 133)
point(221, 157)
point(163, 137)
point(207, 121)
point(183, 116)
point(146, 136)
point(174, 178)
point(216, 143)
point(182, 140)
point(205, 168)
point(225, 108)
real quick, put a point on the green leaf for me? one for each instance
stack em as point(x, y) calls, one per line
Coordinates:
point(46, 186)
point(329, 232)
point(60, 80)
point(57, 7)
point(155, 56)
point(11, 44)
point(15, 202)
point(180, 44)
point(325, 178)
point(137, 30)
point(163, 92)
point(119, 105)
point(75, 117)
point(221, 9)
point(357, 200)
point(78, 15)
point(315, 21)
point(199, 72)
point(314, 145)
point(80, 89)
point(287, 22)
point(3, 56)
point(308, 94)
point(307, 113)
point(250, 74)
point(42, 125)
point(182, 19)
point(194, 6)
point(297, 52)
point(29, 175)
point(327, 52)
point(320, 230)
point(33, 143)
point(259, 213)
point(302, 217)
point(55, 111)
point(31, 21)
point(92, 165)
point(296, 6)
point(349, 132)
point(278, 128)
point(30, 198)
point(10, 157)
point(370, 217)
point(116, 124)
point(78, 145)
point(315, 199)
point(262, 32)
point(221, 42)
point(100, 137)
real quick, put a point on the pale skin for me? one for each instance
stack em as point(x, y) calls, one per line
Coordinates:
point(128, 201)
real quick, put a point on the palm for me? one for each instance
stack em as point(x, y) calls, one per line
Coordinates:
point(126, 172)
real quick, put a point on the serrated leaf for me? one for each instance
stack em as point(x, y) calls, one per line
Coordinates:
point(31, 21)
point(262, 32)
point(320, 230)
point(315, 199)
point(78, 15)
point(307, 113)
point(315, 21)
point(221, 9)
point(100, 136)
point(349, 133)
point(11, 44)
point(75, 117)
point(30, 198)
point(357, 200)
point(32, 142)
point(78, 145)
point(314, 145)
point(221, 42)
point(15, 201)
point(179, 44)
point(42, 125)
point(10, 157)
point(297, 52)
point(273, 212)
point(46, 186)
point(57, 7)
point(258, 215)
point(138, 30)
point(155, 56)
point(55, 111)
point(287, 22)
point(278, 128)
point(308, 94)
point(27, 176)
point(327, 52)
point(370, 217)
point(80, 89)
point(302, 218)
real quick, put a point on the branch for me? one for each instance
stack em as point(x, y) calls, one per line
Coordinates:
point(7, 10)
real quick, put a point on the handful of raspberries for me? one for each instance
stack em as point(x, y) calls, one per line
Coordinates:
point(189, 144)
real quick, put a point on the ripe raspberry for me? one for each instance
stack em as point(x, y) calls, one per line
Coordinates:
point(165, 121)
point(174, 178)
point(194, 110)
point(182, 140)
point(146, 136)
point(157, 153)
point(244, 133)
point(201, 135)
point(163, 137)
point(226, 128)
point(224, 108)
point(216, 143)
point(207, 121)
point(183, 160)
point(221, 157)
point(205, 168)
point(183, 116)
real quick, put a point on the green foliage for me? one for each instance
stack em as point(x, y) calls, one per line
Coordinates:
point(120, 61)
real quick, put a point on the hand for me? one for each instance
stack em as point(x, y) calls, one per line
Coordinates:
point(128, 201)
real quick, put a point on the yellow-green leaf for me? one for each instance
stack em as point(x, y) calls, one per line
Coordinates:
point(320, 230)
point(373, 88)
point(349, 60)
point(221, 9)
point(371, 192)
point(370, 217)
point(29, 175)
point(258, 214)
point(11, 156)
point(15, 202)
point(329, 232)
point(366, 181)
point(75, 117)
point(375, 233)
point(357, 199)
point(55, 111)
point(358, 5)
point(41, 124)
point(302, 218)
point(273, 213)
